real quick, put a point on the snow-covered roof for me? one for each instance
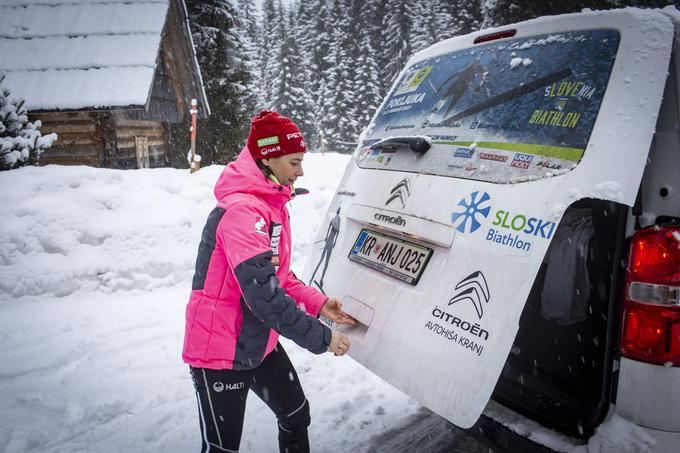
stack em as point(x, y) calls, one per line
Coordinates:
point(75, 54)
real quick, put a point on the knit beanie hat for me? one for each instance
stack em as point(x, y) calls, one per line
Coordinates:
point(273, 135)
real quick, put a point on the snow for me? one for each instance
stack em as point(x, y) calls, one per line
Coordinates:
point(618, 434)
point(81, 18)
point(74, 54)
point(81, 88)
point(96, 269)
point(515, 62)
point(96, 272)
point(85, 52)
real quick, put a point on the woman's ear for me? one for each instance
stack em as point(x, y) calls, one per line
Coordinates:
point(265, 162)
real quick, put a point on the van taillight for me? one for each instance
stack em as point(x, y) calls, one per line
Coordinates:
point(494, 36)
point(651, 311)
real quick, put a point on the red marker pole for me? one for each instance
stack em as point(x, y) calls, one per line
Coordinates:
point(194, 159)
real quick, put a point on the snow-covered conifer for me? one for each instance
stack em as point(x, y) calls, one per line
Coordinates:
point(251, 36)
point(367, 83)
point(225, 69)
point(338, 122)
point(465, 16)
point(292, 99)
point(397, 25)
point(426, 24)
point(270, 53)
point(306, 75)
point(21, 141)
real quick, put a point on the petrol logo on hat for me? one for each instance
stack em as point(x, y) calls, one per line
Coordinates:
point(268, 141)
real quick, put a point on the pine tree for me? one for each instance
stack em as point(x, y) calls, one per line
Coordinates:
point(367, 83)
point(251, 36)
point(225, 69)
point(466, 16)
point(21, 142)
point(270, 55)
point(291, 97)
point(307, 75)
point(397, 24)
point(338, 121)
point(437, 20)
point(504, 12)
point(372, 13)
point(444, 16)
point(426, 22)
point(319, 48)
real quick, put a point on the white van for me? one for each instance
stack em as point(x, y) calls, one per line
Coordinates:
point(508, 231)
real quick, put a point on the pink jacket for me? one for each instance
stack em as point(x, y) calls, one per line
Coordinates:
point(243, 293)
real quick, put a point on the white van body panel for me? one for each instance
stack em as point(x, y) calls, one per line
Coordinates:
point(647, 395)
point(644, 391)
point(445, 339)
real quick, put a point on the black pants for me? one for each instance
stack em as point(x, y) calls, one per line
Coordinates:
point(222, 396)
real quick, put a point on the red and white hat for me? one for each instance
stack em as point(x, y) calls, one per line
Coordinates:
point(273, 135)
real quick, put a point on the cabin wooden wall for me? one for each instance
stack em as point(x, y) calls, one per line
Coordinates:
point(156, 137)
point(78, 142)
point(102, 139)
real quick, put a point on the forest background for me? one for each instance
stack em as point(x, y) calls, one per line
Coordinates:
point(327, 64)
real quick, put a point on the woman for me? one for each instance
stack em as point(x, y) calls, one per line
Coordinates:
point(244, 295)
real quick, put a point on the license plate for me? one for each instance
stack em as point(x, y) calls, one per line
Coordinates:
point(395, 257)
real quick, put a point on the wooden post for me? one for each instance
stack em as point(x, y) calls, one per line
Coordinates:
point(142, 151)
point(323, 144)
point(108, 141)
point(195, 160)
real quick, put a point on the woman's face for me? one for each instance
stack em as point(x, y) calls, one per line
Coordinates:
point(286, 168)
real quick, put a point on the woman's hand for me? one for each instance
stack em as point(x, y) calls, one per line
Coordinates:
point(339, 343)
point(332, 310)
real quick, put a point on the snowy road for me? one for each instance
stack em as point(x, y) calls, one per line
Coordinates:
point(423, 432)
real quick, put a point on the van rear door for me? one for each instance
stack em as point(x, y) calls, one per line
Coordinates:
point(435, 250)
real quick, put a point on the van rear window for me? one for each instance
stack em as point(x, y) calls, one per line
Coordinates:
point(503, 112)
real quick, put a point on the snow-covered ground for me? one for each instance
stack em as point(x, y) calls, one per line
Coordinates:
point(95, 271)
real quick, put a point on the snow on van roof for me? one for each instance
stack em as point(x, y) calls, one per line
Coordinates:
point(649, 16)
point(74, 54)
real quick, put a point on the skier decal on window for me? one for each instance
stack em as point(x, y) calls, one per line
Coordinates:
point(329, 245)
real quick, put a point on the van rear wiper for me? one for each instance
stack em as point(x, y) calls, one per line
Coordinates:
point(419, 144)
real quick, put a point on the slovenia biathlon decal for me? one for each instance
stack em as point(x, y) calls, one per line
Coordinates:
point(506, 228)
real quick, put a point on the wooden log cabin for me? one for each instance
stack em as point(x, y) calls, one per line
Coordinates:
point(109, 77)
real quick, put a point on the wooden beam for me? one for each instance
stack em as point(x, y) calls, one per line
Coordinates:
point(132, 133)
point(68, 128)
point(130, 143)
point(144, 124)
